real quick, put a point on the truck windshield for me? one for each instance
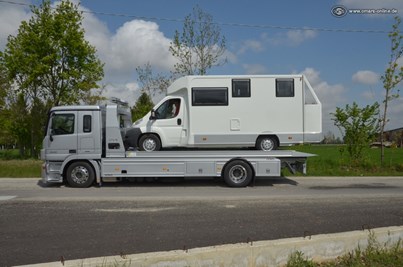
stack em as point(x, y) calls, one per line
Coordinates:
point(169, 109)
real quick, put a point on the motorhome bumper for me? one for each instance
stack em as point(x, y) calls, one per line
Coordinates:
point(132, 137)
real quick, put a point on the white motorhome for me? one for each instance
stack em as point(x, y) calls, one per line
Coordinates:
point(262, 111)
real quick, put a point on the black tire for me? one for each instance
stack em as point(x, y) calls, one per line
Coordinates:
point(80, 174)
point(266, 143)
point(149, 142)
point(237, 173)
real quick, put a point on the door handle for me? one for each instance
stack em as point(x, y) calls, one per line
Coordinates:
point(179, 121)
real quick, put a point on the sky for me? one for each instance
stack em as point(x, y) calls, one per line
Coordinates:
point(342, 57)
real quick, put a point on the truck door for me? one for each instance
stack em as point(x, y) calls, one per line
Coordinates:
point(88, 133)
point(61, 138)
point(168, 121)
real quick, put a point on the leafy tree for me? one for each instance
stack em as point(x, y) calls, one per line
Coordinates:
point(4, 85)
point(6, 138)
point(49, 57)
point(200, 46)
point(143, 105)
point(359, 126)
point(20, 124)
point(50, 63)
point(392, 77)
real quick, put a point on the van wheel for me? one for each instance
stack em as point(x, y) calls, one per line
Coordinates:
point(149, 142)
point(238, 173)
point(266, 143)
point(80, 174)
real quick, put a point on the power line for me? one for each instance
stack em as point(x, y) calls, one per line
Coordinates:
point(229, 24)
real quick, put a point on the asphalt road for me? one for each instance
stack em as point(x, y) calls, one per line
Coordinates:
point(42, 224)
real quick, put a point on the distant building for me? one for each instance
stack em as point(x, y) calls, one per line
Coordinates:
point(395, 136)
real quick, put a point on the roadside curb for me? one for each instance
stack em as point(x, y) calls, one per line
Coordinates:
point(260, 253)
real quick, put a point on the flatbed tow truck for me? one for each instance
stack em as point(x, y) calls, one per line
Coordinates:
point(87, 144)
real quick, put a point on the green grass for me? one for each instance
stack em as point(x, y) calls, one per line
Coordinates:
point(20, 168)
point(374, 255)
point(333, 160)
point(8, 154)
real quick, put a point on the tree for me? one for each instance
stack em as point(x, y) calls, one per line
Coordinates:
point(50, 62)
point(200, 46)
point(6, 138)
point(359, 127)
point(143, 105)
point(392, 77)
point(50, 59)
point(152, 83)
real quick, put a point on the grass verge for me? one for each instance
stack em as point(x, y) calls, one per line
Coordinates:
point(333, 160)
point(374, 255)
point(20, 168)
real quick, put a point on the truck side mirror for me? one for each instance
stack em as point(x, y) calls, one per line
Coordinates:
point(153, 116)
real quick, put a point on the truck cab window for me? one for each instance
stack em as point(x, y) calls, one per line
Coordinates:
point(62, 124)
point(169, 109)
point(87, 123)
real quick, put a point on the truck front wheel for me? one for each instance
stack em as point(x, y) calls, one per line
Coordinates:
point(238, 173)
point(80, 174)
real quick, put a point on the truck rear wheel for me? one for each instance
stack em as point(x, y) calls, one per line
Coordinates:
point(80, 174)
point(238, 173)
point(149, 142)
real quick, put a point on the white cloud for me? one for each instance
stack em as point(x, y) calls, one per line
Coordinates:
point(296, 37)
point(11, 17)
point(291, 38)
point(134, 44)
point(254, 69)
point(251, 45)
point(369, 95)
point(366, 77)
point(330, 95)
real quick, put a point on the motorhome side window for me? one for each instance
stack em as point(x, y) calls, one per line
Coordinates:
point(209, 96)
point(62, 124)
point(241, 88)
point(169, 109)
point(285, 88)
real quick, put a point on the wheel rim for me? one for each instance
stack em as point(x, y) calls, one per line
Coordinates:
point(238, 174)
point(149, 144)
point(267, 144)
point(80, 175)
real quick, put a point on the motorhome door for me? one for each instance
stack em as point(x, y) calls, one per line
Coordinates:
point(168, 120)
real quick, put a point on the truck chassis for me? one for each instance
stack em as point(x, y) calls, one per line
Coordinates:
point(238, 168)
